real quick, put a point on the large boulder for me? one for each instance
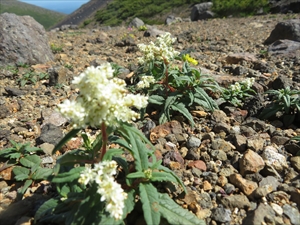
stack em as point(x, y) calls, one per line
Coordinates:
point(136, 23)
point(289, 30)
point(23, 40)
point(202, 11)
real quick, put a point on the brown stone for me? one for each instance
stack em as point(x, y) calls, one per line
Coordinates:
point(244, 185)
point(7, 173)
point(199, 164)
point(251, 162)
point(207, 186)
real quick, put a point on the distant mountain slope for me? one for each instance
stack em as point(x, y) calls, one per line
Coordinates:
point(84, 13)
point(45, 17)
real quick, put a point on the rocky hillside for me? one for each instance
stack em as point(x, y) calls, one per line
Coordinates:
point(45, 17)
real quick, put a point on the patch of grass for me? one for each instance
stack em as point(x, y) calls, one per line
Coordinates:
point(45, 17)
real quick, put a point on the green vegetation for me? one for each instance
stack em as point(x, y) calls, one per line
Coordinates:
point(45, 17)
point(153, 11)
point(285, 104)
point(26, 165)
point(238, 7)
point(120, 10)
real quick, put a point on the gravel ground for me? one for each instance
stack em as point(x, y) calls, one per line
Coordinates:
point(238, 169)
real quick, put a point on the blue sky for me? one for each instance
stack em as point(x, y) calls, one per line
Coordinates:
point(63, 6)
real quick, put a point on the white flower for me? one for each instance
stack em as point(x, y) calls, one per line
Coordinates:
point(248, 82)
point(160, 50)
point(145, 82)
point(111, 192)
point(102, 99)
point(235, 87)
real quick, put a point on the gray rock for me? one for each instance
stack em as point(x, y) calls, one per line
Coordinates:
point(50, 134)
point(269, 180)
point(236, 201)
point(289, 29)
point(57, 75)
point(292, 213)
point(229, 188)
point(11, 91)
point(136, 22)
point(172, 19)
point(53, 117)
point(23, 40)
point(193, 142)
point(153, 32)
point(221, 144)
point(258, 215)
point(202, 11)
point(221, 214)
point(204, 201)
point(240, 142)
point(218, 155)
point(284, 47)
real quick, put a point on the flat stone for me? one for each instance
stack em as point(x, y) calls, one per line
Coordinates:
point(236, 201)
point(199, 164)
point(258, 215)
point(221, 214)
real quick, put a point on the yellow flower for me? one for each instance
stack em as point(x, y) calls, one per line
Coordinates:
point(189, 59)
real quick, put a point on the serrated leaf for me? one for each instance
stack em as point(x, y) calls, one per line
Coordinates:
point(129, 203)
point(156, 99)
point(112, 152)
point(69, 176)
point(65, 139)
point(162, 176)
point(31, 161)
point(150, 205)
point(175, 214)
point(32, 149)
point(21, 173)
point(180, 107)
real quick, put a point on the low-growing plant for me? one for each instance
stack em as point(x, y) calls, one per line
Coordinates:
point(55, 48)
point(142, 28)
point(285, 103)
point(173, 87)
point(97, 185)
point(28, 77)
point(26, 165)
point(238, 92)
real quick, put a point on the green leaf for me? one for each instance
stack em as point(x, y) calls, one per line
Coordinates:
point(41, 174)
point(162, 118)
point(150, 205)
point(25, 186)
point(167, 170)
point(21, 173)
point(136, 175)
point(169, 102)
point(175, 214)
point(72, 175)
point(162, 176)
point(270, 111)
point(45, 208)
point(180, 107)
point(29, 149)
point(129, 203)
point(156, 99)
point(65, 139)
point(31, 161)
point(112, 152)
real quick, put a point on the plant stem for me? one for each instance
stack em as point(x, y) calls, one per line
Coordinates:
point(104, 142)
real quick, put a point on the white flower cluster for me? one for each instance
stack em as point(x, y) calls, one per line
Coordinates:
point(160, 50)
point(108, 188)
point(247, 83)
point(103, 98)
point(145, 82)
